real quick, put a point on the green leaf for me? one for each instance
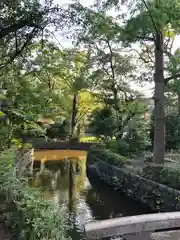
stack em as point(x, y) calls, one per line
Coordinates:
point(2, 114)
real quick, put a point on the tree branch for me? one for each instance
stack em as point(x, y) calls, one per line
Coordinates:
point(111, 60)
point(151, 39)
point(151, 17)
point(142, 58)
point(82, 116)
point(16, 26)
point(19, 51)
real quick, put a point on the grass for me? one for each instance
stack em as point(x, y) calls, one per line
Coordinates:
point(89, 139)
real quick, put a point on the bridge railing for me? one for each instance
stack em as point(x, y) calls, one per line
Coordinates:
point(138, 227)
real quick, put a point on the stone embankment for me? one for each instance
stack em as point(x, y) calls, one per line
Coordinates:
point(157, 196)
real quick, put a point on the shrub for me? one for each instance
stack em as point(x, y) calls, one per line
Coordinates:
point(99, 153)
point(29, 216)
point(172, 132)
point(167, 175)
point(126, 147)
point(172, 125)
point(58, 130)
point(103, 123)
point(121, 147)
point(74, 139)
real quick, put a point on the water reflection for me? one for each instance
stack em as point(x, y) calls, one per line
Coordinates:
point(64, 181)
point(84, 199)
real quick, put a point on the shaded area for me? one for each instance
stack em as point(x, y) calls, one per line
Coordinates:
point(107, 203)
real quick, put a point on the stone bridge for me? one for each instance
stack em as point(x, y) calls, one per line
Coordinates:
point(57, 145)
point(55, 151)
point(158, 226)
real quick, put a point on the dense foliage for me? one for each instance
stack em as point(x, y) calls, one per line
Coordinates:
point(169, 176)
point(98, 153)
point(91, 86)
point(29, 216)
point(41, 79)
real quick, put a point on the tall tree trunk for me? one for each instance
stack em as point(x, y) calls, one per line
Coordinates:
point(159, 136)
point(74, 112)
point(119, 132)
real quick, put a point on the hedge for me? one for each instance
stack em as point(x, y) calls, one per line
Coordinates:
point(167, 175)
point(96, 153)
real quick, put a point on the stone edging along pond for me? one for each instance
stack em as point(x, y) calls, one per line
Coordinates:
point(157, 196)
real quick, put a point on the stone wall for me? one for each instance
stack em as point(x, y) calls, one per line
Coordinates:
point(157, 196)
point(24, 161)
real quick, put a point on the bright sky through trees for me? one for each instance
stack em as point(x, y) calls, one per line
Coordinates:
point(146, 88)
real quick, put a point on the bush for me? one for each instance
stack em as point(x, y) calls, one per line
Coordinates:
point(167, 175)
point(121, 147)
point(99, 153)
point(126, 147)
point(29, 216)
point(58, 130)
point(27, 131)
point(103, 123)
point(172, 134)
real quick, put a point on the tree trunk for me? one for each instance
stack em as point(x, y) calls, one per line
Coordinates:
point(74, 112)
point(159, 137)
point(119, 133)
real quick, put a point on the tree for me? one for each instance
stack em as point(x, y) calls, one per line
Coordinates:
point(27, 97)
point(88, 103)
point(155, 30)
point(111, 69)
point(21, 21)
point(75, 67)
point(154, 21)
point(103, 123)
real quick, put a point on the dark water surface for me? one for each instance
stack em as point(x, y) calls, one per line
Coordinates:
point(84, 199)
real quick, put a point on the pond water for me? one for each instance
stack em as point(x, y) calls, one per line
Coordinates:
point(84, 199)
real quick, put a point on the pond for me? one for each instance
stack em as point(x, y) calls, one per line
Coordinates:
point(83, 198)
